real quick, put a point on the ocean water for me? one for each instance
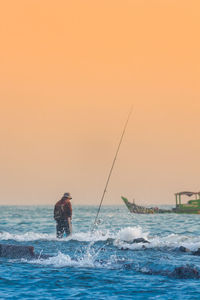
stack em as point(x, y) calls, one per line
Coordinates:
point(103, 264)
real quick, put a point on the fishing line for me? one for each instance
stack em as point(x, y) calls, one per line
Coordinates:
point(111, 169)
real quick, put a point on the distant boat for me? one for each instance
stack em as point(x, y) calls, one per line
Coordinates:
point(191, 207)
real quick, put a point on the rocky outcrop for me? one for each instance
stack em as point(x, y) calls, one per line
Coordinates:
point(184, 249)
point(19, 251)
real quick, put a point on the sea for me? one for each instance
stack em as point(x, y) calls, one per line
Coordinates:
point(103, 263)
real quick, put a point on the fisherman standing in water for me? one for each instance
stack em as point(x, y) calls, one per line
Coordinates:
point(63, 216)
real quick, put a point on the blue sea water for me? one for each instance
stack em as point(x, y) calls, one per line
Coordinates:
point(104, 264)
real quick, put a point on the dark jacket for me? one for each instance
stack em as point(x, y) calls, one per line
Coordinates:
point(63, 210)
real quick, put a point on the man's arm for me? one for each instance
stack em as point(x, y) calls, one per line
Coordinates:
point(69, 210)
point(69, 216)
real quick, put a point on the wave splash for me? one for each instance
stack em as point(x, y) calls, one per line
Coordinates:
point(122, 239)
point(86, 259)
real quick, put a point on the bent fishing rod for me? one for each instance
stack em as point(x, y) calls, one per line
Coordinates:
point(111, 169)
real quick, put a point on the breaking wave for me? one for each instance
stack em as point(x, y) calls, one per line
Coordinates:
point(33, 236)
point(90, 260)
point(122, 239)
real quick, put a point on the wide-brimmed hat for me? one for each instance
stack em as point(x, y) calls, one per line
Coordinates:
point(67, 195)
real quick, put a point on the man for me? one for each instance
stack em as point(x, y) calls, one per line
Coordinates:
point(63, 216)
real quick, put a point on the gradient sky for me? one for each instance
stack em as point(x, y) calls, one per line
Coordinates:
point(69, 73)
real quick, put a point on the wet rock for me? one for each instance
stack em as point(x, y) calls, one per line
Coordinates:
point(16, 251)
point(140, 240)
point(136, 241)
point(124, 248)
point(109, 241)
point(20, 251)
point(184, 249)
point(196, 252)
point(186, 272)
point(127, 266)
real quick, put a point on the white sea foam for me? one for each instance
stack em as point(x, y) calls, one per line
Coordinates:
point(86, 259)
point(28, 236)
point(33, 236)
point(63, 260)
point(172, 241)
point(121, 239)
point(130, 233)
point(92, 236)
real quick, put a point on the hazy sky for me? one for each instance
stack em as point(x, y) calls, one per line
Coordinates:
point(69, 73)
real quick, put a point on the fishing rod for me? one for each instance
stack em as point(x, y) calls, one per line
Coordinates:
point(111, 169)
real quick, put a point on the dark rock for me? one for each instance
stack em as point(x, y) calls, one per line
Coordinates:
point(184, 249)
point(196, 252)
point(140, 240)
point(185, 272)
point(16, 251)
point(122, 248)
point(20, 251)
point(127, 266)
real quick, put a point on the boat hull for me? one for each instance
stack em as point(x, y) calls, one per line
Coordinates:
point(134, 208)
point(181, 209)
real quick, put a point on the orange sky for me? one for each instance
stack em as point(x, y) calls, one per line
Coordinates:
point(69, 72)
